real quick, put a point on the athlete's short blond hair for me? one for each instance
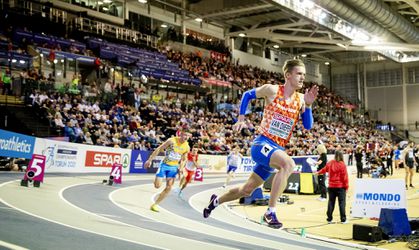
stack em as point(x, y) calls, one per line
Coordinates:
point(290, 64)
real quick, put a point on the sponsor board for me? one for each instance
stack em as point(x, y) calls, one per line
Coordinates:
point(16, 145)
point(371, 195)
point(138, 158)
point(71, 157)
point(213, 163)
point(246, 165)
point(105, 159)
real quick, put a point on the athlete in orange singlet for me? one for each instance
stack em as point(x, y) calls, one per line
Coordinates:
point(283, 109)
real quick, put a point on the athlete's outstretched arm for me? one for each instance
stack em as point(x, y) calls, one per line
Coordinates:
point(262, 91)
point(156, 152)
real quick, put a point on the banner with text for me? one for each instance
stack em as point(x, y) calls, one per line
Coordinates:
point(16, 145)
point(74, 157)
point(371, 195)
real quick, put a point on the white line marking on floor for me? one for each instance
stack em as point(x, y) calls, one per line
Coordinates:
point(11, 246)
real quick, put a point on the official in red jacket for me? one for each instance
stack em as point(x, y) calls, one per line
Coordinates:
point(338, 185)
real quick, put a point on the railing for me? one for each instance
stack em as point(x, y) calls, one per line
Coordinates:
point(91, 26)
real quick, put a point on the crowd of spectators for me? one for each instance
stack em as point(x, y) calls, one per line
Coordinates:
point(244, 76)
point(111, 115)
point(115, 121)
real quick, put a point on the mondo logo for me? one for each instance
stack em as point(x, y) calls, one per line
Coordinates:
point(104, 159)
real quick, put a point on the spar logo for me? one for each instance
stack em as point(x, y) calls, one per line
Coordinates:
point(105, 159)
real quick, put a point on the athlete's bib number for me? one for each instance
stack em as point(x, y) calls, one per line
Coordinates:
point(281, 126)
point(173, 156)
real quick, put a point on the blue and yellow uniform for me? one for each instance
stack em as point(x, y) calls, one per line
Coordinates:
point(173, 154)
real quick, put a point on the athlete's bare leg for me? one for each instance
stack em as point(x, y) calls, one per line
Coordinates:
point(246, 189)
point(166, 190)
point(285, 165)
point(229, 177)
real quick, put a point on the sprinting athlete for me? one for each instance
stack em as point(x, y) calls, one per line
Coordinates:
point(282, 111)
point(189, 169)
point(176, 149)
point(234, 160)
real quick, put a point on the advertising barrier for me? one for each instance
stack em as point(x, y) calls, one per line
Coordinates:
point(16, 145)
point(138, 158)
point(78, 158)
point(371, 195)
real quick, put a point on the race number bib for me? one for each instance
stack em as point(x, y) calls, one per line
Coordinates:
point(281, 126)
point(173, 156)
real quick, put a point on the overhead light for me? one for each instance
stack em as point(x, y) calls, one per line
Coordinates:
point(142, 1)
point(55, 61)
point(303, 55)
point(105, 9)
point(242, 35)
point(14, 60)
point(341, 45)
point(198, 19)
point(21, 61)
point(163, 25)
point(307, 4)
point(276, 46)
point(107, 1)
point(327, 63)
point(100, 3)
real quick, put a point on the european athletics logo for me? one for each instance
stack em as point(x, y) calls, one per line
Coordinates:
point(16, 145)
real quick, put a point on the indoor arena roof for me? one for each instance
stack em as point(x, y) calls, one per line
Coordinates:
point(325, 30)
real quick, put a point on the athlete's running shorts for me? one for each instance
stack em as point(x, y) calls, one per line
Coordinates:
point(167, 171)
point(261, 151)
point(231, 168)
point(189, 175)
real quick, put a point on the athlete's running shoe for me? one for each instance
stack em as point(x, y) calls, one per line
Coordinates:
point(271, 219)
point(211, 206)
point(154, 208)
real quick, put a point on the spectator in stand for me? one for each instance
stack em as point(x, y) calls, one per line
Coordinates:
point(6, 79)
point(338, 186)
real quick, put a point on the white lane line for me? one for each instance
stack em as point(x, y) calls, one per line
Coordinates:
point(70, 226)
point(212, 230)
point(11, 246)
point(109, 215)
point(114, 221)
point(154, 220)
point(309, 236)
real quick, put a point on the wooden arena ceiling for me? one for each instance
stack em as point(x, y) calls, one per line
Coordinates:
point(294, 26)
